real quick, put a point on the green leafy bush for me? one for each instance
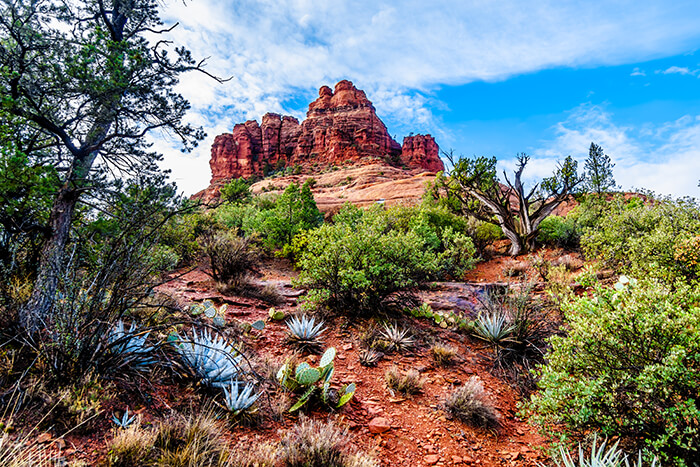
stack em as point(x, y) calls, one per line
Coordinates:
point(559, 231)
point(358, 263)
point(275, 220)
point(642, 239)
point(628, 367)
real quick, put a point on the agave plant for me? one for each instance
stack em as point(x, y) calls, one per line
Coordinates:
point(125, 421)
point(397, 338)
point(130, 345)
point(237, 400)
point(213, 360)
point(304, 332)
point(493, 328)
point(370, 357)
point(600, 457)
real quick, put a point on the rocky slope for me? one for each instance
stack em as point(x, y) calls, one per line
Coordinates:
point(341, 129)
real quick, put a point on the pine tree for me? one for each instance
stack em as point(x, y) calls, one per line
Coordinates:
point(598, 176)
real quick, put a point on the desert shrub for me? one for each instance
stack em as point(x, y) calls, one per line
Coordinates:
point(292, 212)
point(313, 443)
point(483, 234)
point(442, 231)
point(642, 239)
point(110, 274)
point(470, 404)
point(236, 190)
point(196, 439)
point(231, 257)
point(359, 263)
point(558, 231)
point(443, 354)
point(514, 268)
point(407, 383)
point(130, 447)
point(180, 233)
point(628, 367)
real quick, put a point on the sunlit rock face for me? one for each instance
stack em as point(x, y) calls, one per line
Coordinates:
point(341, 128)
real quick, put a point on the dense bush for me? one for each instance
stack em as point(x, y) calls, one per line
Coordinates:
point(275, 220)
point(628, 367)
point(559, 231)
point(359, 262)
point(231, 257)
point(642, 239)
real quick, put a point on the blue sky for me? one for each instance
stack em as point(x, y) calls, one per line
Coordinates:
point(484, 78)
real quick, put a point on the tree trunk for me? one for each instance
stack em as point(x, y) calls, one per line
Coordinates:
point(36, 314)
point(516, 244)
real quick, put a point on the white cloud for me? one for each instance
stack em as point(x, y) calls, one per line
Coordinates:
point(397, 52)
point(677, 70)
point(638, 72)
point(664, 158)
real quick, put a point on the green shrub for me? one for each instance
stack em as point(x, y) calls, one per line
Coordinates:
point(628, 367)
point(236, 190)
point(559, 232)
point(642, 239)
point(484, 234)
point(359, 262)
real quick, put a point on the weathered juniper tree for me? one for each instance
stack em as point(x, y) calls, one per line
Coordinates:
point(84, 83)
point(474, 184)
point(598, 175)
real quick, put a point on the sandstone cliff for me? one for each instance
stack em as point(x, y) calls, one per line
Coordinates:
point(341, 129)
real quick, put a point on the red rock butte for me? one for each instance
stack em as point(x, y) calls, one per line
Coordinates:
point(341, 129)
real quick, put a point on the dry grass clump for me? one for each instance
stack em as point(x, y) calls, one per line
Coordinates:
point(443, 354)
point(21, 452)
point(130, 447)
point(191, 441)
point(406, 383)
point(256, 455)
point(569, 262)
point(312, 443)
point(469, 404)
point(513, 268)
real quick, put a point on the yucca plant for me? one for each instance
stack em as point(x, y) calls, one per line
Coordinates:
point(600, 457)
point(304, 332)
point(397, 338)
point(211, 359)
point(130, 345)
point(239, 400)
point(370, 357)
point(125, 421)
point(494, 328)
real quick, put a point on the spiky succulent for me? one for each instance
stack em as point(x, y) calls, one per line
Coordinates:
point(130, 345)
point(125, 421)
point(397, 338)
point(370, 357)
point(600, 457)
point(493, 328)
point(210, 358)
point(239, 396)
point(305, 332)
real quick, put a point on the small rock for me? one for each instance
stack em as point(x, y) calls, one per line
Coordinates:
point(379, 425)
point(456, 460)
point(347, 347)
point(44, 438)
point(431, 459)
point(60, 443)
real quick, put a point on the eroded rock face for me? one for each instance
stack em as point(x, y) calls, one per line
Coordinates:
point(341, 128)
